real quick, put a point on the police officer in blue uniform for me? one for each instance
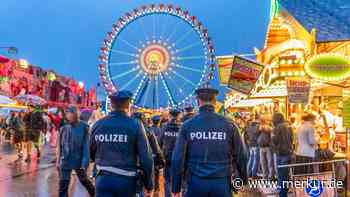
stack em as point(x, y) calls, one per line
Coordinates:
point(156, 130)
point(167, 141)
point(210, 149)
point(157, 154)
point(119, 147)
point(156, 126)
point(189, 113)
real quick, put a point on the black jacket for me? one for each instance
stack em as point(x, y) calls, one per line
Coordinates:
point(252, 134)
point(282, 139)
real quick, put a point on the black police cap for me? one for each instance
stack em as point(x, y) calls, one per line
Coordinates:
point(121, 95)
point(189, 108)
point(155, 118)
point(174, 112)
point(206, 91)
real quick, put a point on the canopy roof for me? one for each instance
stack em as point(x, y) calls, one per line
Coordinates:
point(331, 18)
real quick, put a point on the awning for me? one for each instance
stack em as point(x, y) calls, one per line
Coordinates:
point(252, 103)
point(278, 89)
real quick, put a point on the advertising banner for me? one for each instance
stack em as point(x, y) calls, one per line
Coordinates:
point(224, 67)
point(298, 90)
point(244, 74)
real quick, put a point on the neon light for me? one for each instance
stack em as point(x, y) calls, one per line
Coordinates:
point(328, 67)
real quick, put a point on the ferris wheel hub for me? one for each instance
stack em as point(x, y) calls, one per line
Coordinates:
point(154, 59)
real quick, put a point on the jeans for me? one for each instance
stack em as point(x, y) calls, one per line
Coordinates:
point(283, 174)
point(253, 162)
point(266, 162)
point(115, 185)
point(209, 187)
point(64, 176)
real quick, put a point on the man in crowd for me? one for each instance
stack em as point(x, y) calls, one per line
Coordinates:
point(252, 135)
point(34, 126)
point(282, 142)
point(208, 147)
point(73, 153)
point(119, 147)
point(189, 113)
point(167, 141)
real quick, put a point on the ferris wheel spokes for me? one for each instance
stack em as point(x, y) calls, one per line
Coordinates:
point(147, 47)
point(190, 57)
point(123, 63)
point(123, 53)
point(124, 73)
point(184, 78)
point(131, 80)
point(187, 47)
point(183, 37)
point(166, 86)
point(188, 68)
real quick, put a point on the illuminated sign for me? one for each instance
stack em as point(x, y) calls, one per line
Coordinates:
point(244, 75)
point(224, 67)
point(298, 90)
point(328, 67)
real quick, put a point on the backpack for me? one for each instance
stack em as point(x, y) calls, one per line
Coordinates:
point(37, 121)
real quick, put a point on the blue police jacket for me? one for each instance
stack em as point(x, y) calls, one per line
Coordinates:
point(168, 138)
point(73, 149)
point(120, 141)
point(157, 131)
point(209, 146)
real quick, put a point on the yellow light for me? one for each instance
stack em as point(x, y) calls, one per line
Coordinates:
point(290, 73)
point(23, 63)
point(81, 84)
point(283, 74)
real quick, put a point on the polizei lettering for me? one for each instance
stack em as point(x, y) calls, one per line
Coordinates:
point(208, 135)
point(171, 134)
point(113, 138)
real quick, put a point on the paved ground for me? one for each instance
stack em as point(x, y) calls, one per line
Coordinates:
point(18, 178)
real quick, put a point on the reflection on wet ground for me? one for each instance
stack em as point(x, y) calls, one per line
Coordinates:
point(20, 179)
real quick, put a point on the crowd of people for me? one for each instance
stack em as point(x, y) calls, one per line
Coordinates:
point(31, 128)
point(197, 153)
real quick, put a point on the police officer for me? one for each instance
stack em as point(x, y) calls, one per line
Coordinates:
point(167, 141)
point(189, 113)
point(210, 149)
point(119, 146)
point(156, 126)
point(157, 154)
point(156, 130)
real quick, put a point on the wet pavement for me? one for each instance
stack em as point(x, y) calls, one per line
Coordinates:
point(37, 178)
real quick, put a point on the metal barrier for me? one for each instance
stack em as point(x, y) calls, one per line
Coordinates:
point(326, 175)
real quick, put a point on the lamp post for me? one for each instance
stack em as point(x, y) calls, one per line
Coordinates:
point(11, 49)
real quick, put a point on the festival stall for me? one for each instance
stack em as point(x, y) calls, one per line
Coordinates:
point(18, 77)
point(300, 73)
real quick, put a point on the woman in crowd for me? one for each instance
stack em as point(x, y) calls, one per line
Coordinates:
point(307, 143)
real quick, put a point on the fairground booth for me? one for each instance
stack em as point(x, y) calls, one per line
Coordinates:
point(303, 67)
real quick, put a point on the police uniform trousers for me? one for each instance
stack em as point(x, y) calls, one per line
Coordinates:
point(208, 187)
point(113, 185)
point(65, 174)
point(167, 181)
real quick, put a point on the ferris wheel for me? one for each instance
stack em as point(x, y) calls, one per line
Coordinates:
point(159, 52)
